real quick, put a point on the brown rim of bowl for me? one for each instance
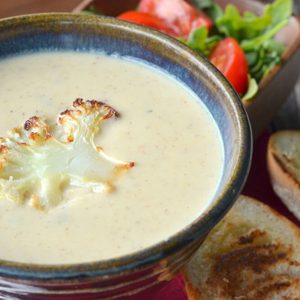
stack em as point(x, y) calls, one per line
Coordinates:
point(200, 226)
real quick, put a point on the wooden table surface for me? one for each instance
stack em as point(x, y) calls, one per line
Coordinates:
point(10, 8)
point(287, 118)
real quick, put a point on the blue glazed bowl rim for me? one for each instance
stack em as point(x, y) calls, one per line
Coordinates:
point(198, 228)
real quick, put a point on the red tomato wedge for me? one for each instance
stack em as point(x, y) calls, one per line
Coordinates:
point(178, 14)
point(230, 59)
point(147, 20)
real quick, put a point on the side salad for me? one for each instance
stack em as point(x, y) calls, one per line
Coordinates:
point(241, 46)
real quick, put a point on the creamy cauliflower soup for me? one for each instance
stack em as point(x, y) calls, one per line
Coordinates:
point(171, 138)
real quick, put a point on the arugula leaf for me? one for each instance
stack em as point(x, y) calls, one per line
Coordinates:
point(249, 26)
point(258, 41)
point(242, 27)
point(214, 12)
point(275, 46)
point(263, 59)
point(201, 42)
point(197, 38)
point(227, 24)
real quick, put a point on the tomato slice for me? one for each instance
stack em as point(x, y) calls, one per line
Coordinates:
point(147, 20)
point(183, 17)
point(230, 59)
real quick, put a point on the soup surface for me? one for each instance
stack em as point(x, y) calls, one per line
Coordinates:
point(168, 134)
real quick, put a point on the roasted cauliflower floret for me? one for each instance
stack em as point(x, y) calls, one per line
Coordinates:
point(37, 162)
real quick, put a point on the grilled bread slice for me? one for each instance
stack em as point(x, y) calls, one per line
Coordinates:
point(252, 254)
point(284, 167)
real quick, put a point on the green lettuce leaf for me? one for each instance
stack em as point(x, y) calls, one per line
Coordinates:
point(252, 89)
point(279, 11)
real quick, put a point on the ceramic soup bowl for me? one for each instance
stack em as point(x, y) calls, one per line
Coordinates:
point(128, 275)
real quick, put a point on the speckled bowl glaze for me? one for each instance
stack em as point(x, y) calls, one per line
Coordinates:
point(123, 277)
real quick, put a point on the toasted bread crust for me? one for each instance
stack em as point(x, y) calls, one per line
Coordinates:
point(192, 293)
point(247, 257)
point(286, 186)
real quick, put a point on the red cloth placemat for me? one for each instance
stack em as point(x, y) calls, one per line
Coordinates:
point(258, 184)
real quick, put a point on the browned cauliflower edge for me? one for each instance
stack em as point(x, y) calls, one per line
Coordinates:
point(37, 161)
